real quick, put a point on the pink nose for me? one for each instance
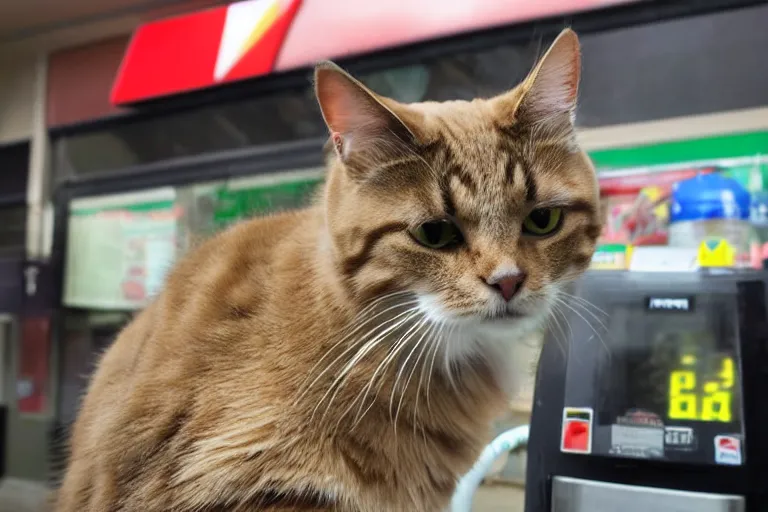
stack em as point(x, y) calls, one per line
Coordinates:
point(508, 285)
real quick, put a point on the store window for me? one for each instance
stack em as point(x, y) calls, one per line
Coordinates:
point(121, 246)
point(284, 116)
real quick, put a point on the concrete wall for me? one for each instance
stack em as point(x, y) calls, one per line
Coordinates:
point(17, 86)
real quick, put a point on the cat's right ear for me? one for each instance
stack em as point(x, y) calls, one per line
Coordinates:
point(548, 95)
point(358, 119)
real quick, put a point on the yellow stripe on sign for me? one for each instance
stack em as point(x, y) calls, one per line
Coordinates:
point(266, 21)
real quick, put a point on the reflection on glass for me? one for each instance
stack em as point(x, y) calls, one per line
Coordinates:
point(121, 247)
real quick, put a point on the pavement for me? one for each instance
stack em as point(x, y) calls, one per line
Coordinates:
point(24, 496)
point(499, 498)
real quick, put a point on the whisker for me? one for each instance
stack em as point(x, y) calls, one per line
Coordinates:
point(437, 346)
point(408, 381)
point(576, 312)
point(561, 343)
point(430, 345)
point(448, 361)
point(367, 348)
point(585, 302)
point(330, 365)
point(589, 312)
point(384, 363)
point(359, 321)
point(403, 367)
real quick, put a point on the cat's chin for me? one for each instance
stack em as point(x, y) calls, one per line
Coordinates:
point(508, 322)
point(493, 336)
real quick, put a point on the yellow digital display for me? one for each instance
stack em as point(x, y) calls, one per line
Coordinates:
point(701, 396)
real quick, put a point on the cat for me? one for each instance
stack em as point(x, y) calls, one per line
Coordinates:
point(353, 355)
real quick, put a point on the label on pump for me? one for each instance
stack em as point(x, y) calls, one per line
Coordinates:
point(728, 450)
point(576, 434)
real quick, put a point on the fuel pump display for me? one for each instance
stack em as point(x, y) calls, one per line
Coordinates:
point(659, 405)
point(686, 377)
point(666, 382)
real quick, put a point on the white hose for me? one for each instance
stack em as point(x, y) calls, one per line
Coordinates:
point(504, 442)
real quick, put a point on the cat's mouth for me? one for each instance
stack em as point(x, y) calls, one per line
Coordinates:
point(505, 315)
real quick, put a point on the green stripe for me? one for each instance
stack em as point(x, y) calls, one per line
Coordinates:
point(709, 148)
point(134, 208)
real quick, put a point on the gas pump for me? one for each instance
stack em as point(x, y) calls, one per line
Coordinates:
point(657, 398)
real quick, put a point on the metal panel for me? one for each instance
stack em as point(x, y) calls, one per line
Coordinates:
point(576, 495)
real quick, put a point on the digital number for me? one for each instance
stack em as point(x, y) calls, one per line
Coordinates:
point(726, 373)
point(682, 395)
point(716, 403)
point(713, 402)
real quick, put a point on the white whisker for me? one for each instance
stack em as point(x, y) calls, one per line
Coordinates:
point(336, 385)
point(350, 348)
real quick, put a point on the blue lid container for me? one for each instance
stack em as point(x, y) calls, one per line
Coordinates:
point(759, 216)
point(708, 197)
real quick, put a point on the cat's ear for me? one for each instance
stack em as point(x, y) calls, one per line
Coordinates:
point(358, 119)
point(550, 91)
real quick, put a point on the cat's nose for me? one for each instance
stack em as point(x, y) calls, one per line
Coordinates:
point(507, 284)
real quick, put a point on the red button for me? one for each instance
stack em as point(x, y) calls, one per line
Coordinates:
point(576, 436)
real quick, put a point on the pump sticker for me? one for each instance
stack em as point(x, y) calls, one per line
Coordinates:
point(682, 439)
point(728, 450)
point(638, 434)
point(577, 430)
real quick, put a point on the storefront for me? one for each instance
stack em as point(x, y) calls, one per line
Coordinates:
point(227, 126)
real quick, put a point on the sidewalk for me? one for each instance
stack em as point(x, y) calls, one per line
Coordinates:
point(23, 496)
point(499, 498)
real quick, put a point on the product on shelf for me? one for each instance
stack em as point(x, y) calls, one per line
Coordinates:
point(712, 212)
point(636, 205)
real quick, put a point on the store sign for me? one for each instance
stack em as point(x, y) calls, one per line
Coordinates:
point(203, 49)
point(252, 38)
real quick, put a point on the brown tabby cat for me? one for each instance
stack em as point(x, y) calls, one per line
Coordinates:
point(351, 356)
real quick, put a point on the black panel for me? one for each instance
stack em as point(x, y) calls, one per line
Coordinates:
point(11, 284)
point(545, 459)
point(41, 299)
point(14, 171)
point(754, 355)
point(13, 229)
point(682, 67)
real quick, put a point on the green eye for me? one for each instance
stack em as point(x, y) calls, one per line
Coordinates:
point(438, 234)
point(543, 221)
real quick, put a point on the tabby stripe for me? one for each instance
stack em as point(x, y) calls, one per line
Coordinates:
point(581, 206)
point(464, 178)
point(530, 183)
point(353, 264)
point(445, 191)
point(593, 230)
point(510, 170)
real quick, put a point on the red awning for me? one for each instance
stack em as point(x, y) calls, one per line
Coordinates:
point(251, 38)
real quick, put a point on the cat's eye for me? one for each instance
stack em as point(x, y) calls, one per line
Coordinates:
point(438, 234)
point(543, 221)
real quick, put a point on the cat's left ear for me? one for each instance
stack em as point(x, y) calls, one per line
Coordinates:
point(550, 91)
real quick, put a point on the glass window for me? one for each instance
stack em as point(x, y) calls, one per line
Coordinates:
point(287, 115)
point(121, 246)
